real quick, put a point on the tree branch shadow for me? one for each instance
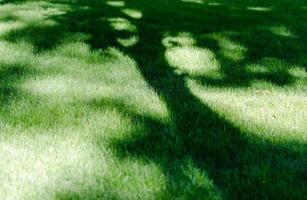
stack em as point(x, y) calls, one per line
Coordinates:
point(241, 166)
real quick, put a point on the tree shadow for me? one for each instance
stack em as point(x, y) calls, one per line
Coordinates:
point(9, 76)
point(241, 166)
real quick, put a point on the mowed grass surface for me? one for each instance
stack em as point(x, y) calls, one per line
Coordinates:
point(164, 99)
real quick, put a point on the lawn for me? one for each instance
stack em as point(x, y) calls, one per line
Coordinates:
point(161, 99)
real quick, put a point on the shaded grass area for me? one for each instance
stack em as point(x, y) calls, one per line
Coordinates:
point(172, 99)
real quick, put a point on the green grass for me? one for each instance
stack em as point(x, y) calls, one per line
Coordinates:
point(164, 99)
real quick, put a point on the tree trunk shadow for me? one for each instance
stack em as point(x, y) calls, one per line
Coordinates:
point(242, 167)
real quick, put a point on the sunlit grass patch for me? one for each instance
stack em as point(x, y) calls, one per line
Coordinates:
point(49, 163)
point(229, 49)
point(182, 39)
point(193, 60)
point(259, 9)
point(128, 42)
point(185, 57)
point(11, 53)
point(299, 73)
point(194, 1)
point(30, 11)
point(282, 31)
point(116, 3)
point(40, 166)
point(199, 185)
point(124, 183)
point(24, 12)
point(214, 4)
point(6, 27)
point(133, 13)
point(122, 24)
point(275, 114)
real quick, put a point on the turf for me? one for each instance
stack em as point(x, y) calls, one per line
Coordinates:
point(164, 99)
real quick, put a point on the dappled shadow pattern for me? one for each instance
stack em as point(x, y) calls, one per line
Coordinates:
point(240, 165)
